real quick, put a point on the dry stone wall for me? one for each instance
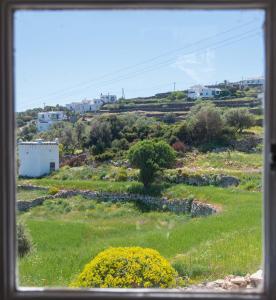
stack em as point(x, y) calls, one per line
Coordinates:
point(189, 206)
point(220, 180)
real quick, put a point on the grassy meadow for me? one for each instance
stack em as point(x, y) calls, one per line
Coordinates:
point(68, 233)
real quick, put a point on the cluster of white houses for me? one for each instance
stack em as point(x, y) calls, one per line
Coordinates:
point(46, 119)
point(91, 105)
point(200, 91)
point(38, 158)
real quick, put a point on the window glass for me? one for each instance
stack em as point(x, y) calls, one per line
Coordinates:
point(139, 148)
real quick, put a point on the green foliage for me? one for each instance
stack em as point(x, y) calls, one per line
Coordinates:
point(239, 118)
point(206, 123)
point(203, 126)
point(121, 175)
point(142, 268)
point(53, 190)
point(107, 155)
point(177, 95)
point(121, 144)
point(207, 248)
point(151, 156)
point(27, 133)
point(24, 242)
point(169, 118)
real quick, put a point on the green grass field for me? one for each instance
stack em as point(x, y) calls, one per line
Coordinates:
point(68, 233)
point(29, 195)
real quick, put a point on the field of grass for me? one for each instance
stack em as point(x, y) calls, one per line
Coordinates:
point(68, 233)
point(30, 195)
point(226, 160)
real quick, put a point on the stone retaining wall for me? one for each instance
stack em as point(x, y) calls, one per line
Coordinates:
point(220, 180)
point(29, 187)
point(190, 206)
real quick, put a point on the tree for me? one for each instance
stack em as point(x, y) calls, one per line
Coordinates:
point(68, 140)
point(100, 137)
point(239, 118)
point(80, 134)
point(205, 123)
point(177, 95)
point(169, 118)
point(151, 156)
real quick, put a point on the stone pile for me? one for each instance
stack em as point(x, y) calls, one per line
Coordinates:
point(231, 283)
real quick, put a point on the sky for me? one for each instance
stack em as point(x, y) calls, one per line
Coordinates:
point(65, 56)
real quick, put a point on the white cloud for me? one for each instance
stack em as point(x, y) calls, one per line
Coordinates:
point(197, 66)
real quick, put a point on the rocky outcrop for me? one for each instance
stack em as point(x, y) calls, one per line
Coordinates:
point(189, 206)
point(231, 283)
point(201, 209)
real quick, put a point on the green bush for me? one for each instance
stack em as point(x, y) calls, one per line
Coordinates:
point(127, 267)
point(24, 242)
point(150, 157)
point(53, 190)
point(104, 156)
point(239, 118)
point(121, 175)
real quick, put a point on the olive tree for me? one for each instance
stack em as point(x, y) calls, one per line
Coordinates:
point(239, 118)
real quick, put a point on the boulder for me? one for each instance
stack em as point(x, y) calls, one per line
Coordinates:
point(256, 278)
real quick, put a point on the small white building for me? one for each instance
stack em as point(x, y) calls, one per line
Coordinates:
point(85, 106)
point(46, 119)
point(200, 91)
point(38, 158)
point(108, 98)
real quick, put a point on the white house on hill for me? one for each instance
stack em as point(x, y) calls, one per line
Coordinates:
point(200, 91)
point(85, 106)
point(254, 81)
point(108, 98)
point(38, 158)
point(46, 119)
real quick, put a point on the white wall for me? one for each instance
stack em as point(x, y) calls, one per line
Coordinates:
point(35, 158)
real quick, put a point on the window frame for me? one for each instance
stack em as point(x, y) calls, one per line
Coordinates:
point(8, 289)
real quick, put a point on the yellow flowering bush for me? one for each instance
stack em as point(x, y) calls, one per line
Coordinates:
point(127, 267)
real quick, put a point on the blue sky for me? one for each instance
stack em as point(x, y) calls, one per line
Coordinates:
point(64, 56)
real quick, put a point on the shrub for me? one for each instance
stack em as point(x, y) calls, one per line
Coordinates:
point(104, 156)
point(127, 267)
point(53, 190)
point(24, 243)
point(121, 175)
point(179, 147)
point(205, 123)
point(169, 118)
point(239, 118)
point(150, 157)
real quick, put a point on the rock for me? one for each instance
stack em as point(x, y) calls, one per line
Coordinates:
point(256, 278)
point(230, 283)
point(226, 181)
point(239, 280)
point(219, 282)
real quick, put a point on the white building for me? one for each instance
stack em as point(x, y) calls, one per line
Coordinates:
point(85, 106)
point(108, 98)
point(200, 91)
point(254, 81)
point(46, 119)
point(38, 158)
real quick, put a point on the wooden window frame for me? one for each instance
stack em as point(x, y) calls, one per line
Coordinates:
point(8, 288)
